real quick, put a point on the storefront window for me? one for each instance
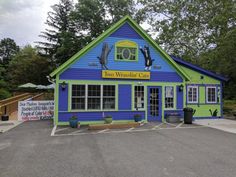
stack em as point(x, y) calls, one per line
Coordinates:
point(94, 97)
point(78, 97)
point(109, 97)
point(211, 94)
point(169, 97)
point(97, 97)
point(192, 94)
point(139, 97)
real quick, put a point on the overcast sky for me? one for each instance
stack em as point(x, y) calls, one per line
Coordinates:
point(22, 20)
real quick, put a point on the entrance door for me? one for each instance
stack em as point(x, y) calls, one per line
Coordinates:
point(154, 104)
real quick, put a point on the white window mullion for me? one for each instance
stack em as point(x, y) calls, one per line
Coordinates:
point(86, 97)
point(101, 100)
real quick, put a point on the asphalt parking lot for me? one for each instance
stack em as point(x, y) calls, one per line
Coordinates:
point(29, 151)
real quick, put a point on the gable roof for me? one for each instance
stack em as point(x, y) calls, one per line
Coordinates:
point(198, 69)
point(112, 29)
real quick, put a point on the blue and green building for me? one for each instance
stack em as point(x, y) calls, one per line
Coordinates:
point(124, 72)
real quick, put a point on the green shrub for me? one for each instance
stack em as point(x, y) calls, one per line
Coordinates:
point(4, 94)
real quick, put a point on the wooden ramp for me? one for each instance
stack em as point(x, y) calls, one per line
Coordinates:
point(9, 106)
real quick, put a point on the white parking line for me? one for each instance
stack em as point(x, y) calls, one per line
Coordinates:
point(131, 130)
point(61, 129)
point(53, 130)
point(103, 131)
point(170, 124)
point(78, 131)
point(179, 125)
point(157, 126)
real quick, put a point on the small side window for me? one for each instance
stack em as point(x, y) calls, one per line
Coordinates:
point(211, 94)
point(192, 94)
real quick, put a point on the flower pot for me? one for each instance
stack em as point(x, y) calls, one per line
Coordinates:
point(137, 119)
point(73, 123)
point(108, 120)
point(5, 117)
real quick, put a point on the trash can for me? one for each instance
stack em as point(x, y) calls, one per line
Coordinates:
point(188, 115)
point(5, 117)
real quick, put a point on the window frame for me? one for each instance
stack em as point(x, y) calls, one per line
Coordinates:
point(86, 98)
point(126, 44)
point(207, 92)
point(92, 97)
point(169, 97)
point(197, 94)
point(71, 97)
point(102, 96)
point(144, 102)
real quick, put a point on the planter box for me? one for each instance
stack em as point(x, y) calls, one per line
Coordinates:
point(173, 119)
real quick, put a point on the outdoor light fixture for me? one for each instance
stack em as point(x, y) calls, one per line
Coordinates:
point(181, 87)
point(63, 85)
point(140, 83)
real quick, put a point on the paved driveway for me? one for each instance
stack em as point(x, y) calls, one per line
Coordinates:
point(29, 151)
point(220, 124)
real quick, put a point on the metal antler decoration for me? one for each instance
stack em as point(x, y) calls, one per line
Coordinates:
point(148, 60)
point(103, 59)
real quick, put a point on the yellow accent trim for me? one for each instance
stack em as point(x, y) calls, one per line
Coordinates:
point(126, 43)
point(125, 74)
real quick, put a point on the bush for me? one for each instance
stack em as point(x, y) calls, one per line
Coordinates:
point(4, 94)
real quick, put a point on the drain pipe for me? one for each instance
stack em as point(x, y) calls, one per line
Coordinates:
point(51, 80)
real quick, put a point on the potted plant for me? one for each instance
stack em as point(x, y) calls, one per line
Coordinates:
point(73, 121)
point(108, 119)
point(137, 117)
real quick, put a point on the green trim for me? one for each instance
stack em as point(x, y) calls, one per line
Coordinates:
point(56, 96)
point(138, 29)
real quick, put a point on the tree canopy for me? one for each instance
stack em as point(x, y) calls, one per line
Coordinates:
point(201, 32)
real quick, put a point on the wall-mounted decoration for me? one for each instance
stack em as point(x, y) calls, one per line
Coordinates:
point(148, 60)
point(103, 57)
point(63, 85)
point(156, 66)
point(94, 64)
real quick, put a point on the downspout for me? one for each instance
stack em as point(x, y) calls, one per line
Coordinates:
point(51, 80)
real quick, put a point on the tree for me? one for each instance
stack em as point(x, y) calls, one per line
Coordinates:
point(28, 66)
point(187, 28)
point(222, 60)
point(61, 40)
point(94, 16)
point(8, 49)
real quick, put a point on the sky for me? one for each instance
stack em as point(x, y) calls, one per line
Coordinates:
point(23, 20)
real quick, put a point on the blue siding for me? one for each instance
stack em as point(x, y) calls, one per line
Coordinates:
point(179, 98)
point(126, 31)
point(63, 98)
point(91, 57)
point(98, 116)
point(96, 74)
point(125, 96)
